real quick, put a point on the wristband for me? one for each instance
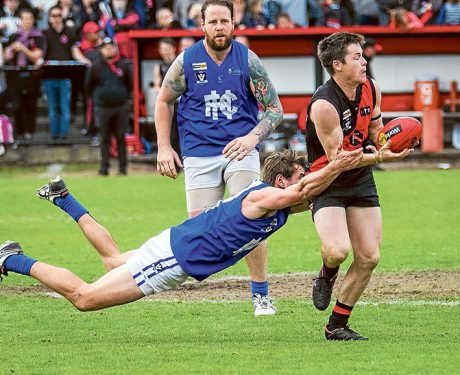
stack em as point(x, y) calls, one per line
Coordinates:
point(376, 118)
point(378, 158)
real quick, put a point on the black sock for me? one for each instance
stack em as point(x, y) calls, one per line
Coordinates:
point(330, 273)
point(340, 315)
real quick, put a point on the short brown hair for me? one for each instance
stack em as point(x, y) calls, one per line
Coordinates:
point(224, 3)
point(334, 47)
point(283, 163)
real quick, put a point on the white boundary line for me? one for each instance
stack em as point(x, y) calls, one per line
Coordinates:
point(365, 303)
point(301, 301)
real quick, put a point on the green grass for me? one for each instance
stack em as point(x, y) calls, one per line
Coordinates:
point(42, 335)
point(47, 337)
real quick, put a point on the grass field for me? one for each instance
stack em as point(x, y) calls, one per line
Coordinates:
point(47, 335)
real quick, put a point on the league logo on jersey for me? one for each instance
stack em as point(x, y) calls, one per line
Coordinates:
point(223, 103)
point(199, 66)
point(346, 121)
point(365, 111)
point(201, 78)
point(271, 227)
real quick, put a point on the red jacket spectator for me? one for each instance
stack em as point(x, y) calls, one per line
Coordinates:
point(403, 19)
point(120, 19)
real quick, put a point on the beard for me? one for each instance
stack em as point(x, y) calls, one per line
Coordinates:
point(218, 46)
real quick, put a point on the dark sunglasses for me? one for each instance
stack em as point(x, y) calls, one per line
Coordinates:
point(55, 15)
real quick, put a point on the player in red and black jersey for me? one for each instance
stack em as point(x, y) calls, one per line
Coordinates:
point(346, 110)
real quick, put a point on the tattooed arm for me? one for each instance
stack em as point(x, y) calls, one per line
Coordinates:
point(266, 95)
point(172, 87)
point(268, 99)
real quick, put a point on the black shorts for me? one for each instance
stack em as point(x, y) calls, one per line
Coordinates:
point(362, 195)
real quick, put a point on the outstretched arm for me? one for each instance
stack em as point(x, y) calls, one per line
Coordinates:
point(268, 100)
point(172, 87)
point(263, 202)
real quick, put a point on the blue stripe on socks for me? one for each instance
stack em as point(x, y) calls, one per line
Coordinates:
point(70, 205)
point(261, 288)
point(19, 263)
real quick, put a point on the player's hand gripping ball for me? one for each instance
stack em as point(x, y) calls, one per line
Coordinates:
point(404, 132)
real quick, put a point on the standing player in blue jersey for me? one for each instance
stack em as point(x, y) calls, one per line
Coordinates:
point(199, 247)
point(221, 85)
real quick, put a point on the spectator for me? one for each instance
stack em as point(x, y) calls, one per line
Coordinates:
point(109, 83)
point(349, 7)
point(284, 21)
point(2, 83)
point(297, 10)
point(370, 49)
point(272, 10)
point(239, 10)
point(41, 9)
point(368, 12)
point(181, 10)
point(387, 6)
point(185, 42)
point(449, 13)
point(72, 14)
point(243, 39)
point(90, 11)
point(25, 48)
point(150, 11)
point(89, 46)
point(141, 7)
point(167, 49)
point(431, 7)
point(166, 20)
point(9, 19)
point(117, 21)
point(315, 13)
point(335, 15)
point(194, 16)
point(255, 17)
point(91, 40)
point(402, 19)
point(61, 42)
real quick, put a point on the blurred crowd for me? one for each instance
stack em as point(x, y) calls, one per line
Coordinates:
point(68, 33)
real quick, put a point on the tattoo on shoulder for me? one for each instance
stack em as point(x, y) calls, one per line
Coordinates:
point(266, 95)
point(175, 77)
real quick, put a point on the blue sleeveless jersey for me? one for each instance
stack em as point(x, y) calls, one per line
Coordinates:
point(218, 104)
point(221, 236)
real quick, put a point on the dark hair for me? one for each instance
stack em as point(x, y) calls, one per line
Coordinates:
point(169, 41)
point(281, 162)
point(54, 7)
point(26, 10)
point(334, 47)
point(224, 3)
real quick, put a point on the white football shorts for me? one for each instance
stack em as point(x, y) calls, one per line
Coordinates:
point(211, 171)
point(154, 266)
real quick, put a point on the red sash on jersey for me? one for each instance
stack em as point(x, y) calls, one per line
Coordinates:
point(360, 125)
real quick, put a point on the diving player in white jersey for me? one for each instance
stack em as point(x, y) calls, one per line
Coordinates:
point(199, 247)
